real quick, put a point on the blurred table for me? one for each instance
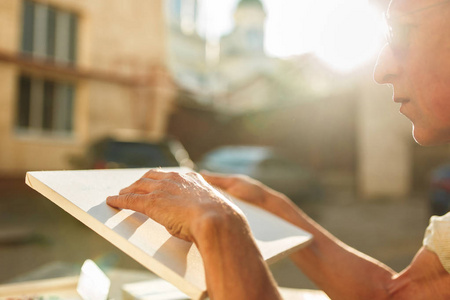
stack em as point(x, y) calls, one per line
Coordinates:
point(64, 288)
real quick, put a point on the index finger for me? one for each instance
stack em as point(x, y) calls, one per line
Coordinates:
point(135, 202)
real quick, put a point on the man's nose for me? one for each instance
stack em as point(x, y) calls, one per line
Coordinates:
point(387, 67)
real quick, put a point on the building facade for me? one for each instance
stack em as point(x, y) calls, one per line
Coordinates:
point(361, 131)
point(75, 71)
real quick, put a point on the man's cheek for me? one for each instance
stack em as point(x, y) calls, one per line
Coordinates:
point(442, 110)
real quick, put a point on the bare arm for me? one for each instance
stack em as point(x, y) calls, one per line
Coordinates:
point(233, 265)
point(339, 270)
point(191, 209)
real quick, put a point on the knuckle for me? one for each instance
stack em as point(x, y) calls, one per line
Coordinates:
point(153, 173)
point(141, 181)
point(129, 200)
point(148, 173)
point(152, 204)
point(157, 194)
point(195, 176)
point(164, 183)
point(144, 182)
point(173, 176)
point(236, 179)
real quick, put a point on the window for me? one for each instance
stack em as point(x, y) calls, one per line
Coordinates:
point(48, 32)
point(45, 107)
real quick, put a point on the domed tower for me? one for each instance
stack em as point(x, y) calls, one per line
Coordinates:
point(248, 34)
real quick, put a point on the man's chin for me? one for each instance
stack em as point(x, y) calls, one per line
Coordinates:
point(426, 139)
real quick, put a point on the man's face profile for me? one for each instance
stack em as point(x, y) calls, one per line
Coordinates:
point(416, 63)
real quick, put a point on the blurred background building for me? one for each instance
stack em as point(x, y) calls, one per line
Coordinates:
point(74, 72)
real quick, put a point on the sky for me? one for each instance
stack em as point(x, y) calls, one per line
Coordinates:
point(343, 33)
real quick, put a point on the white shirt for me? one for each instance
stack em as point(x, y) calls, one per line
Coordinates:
point(437, 238)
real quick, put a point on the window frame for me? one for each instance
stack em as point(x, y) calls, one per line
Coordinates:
point(38, 104)
point(49, 32)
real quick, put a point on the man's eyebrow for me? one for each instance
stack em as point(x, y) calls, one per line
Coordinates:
point(414, 11)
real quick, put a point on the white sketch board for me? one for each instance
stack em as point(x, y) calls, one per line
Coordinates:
point(83, 194)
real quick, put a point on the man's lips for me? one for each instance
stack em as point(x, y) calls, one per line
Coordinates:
point(403, 107)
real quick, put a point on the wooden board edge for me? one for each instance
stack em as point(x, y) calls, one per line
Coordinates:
point(288, 252)
point(118, 241)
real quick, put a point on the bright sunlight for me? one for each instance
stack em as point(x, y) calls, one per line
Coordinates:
point(343, 33)
point(351, 35)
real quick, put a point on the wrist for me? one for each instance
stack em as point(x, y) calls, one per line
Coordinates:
point(225, 243)
point(283, 207)
point(278, 204)
point(213, 226)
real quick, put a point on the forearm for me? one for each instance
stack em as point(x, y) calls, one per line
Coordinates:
point(339, 270)
point(342, 272)
point(233, 264)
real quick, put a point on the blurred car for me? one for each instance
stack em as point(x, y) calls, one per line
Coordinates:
point(266, 165)
point(440, 190)
point(109, 153)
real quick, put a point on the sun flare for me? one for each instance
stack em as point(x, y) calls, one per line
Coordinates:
point(350, 36)
point(343, 33)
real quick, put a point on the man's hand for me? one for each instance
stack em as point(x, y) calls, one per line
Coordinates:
point(193, 210)
point(253, 191)
point(179, 202)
